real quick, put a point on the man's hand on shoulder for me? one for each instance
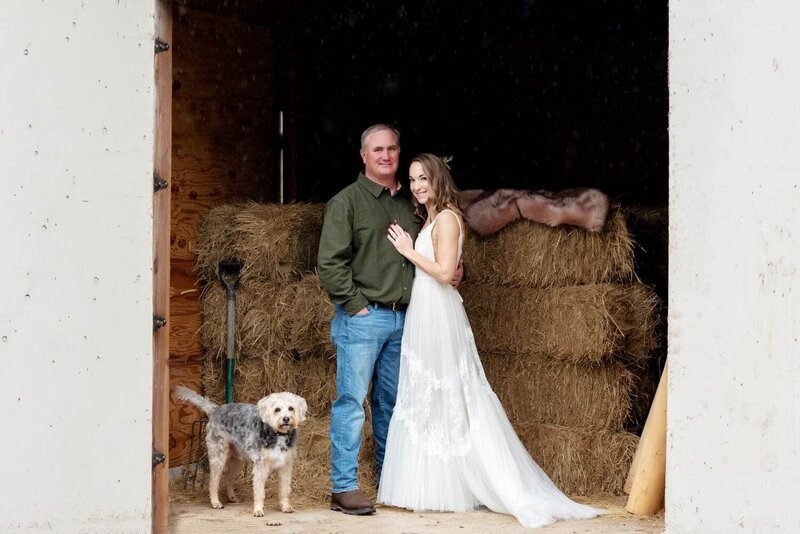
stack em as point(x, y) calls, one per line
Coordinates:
point(458, 276)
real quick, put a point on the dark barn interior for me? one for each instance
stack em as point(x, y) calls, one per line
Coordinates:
point(529, 94)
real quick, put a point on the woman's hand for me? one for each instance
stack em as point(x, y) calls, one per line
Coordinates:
point(400, 239)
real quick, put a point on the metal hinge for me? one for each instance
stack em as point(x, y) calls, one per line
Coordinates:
point(161, 46)
point(159, 183)
point(158, 322)
point(158, 457)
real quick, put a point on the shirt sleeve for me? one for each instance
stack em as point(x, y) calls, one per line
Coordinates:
point(335, 257)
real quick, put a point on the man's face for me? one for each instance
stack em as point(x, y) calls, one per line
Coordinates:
point(381, 155)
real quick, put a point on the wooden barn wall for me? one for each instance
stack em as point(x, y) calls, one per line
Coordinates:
point(222, 150)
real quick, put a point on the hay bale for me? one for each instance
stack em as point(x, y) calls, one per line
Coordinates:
point(263, 314)
point(536, 389)
point(275, 241)
point(312, 468)
point(580, 324)
point(278, 241)
point(216, 240)
point(643, 392)
point(529, 254)
point(637, 313)
point(249, 382)
point(311, 318)
point(580, 461)
point(312, 378)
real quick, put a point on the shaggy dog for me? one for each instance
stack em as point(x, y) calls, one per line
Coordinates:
point(265, 434)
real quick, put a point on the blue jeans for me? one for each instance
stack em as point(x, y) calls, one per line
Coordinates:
point(367, 349)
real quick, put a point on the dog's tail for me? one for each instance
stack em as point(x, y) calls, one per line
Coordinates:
point(186, 394)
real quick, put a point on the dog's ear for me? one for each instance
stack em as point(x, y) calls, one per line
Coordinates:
point(265, 407)
point(302, 407)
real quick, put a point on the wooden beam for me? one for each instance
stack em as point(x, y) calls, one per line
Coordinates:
point(161, 264)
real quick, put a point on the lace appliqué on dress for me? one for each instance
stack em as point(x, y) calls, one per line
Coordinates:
point(415, 411)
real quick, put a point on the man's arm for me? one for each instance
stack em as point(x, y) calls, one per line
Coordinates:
point(335, 255)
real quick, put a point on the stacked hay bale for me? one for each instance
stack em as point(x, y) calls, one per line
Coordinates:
point(282, 324)
point(560, 322)
point(565, 331)
point(649, 226)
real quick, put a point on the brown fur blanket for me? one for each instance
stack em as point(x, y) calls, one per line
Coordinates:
point(487, 212)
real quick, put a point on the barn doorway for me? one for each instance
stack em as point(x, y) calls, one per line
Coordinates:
point(269, 101)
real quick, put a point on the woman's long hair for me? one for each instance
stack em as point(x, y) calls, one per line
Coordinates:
point(440, 185)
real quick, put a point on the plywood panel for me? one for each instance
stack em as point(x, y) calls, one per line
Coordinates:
point(224, 129)
point(184, 311)
point(181, 415)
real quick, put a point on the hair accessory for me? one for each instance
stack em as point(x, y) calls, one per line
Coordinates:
point(446, 160)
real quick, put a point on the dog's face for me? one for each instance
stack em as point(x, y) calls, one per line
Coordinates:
point(282, 411)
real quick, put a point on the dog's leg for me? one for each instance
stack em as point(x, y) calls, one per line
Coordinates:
point(235, 464)
point(217, 455)
point(260, 475)
point(285, 487)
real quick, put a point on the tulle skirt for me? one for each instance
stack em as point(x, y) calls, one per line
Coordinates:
point(450, 445)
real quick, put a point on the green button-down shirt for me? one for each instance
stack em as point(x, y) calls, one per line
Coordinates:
point(357, 263)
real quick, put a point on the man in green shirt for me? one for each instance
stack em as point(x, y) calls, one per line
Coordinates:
point(370, 283)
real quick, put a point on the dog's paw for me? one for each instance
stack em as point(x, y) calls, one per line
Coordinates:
point(232, 498)
point(258, 512)
point(287, 508)
point(217, 505)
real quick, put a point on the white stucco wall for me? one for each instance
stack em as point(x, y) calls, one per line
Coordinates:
point(76, 158)
point(733, 450)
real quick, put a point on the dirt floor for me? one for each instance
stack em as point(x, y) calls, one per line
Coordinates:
point(192, 518)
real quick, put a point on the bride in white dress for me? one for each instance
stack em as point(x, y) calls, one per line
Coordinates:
point(450, 445)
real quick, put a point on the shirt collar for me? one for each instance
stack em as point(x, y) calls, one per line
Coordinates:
point(373, 187)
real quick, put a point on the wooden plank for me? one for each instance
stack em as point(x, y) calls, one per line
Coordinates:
point(648, 468)
point(222, 147)
point(161, 265)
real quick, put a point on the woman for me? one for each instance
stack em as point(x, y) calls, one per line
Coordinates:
point(450, 445)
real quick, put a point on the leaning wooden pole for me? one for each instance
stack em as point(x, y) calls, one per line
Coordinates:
point(648, 471)
point(632, 471)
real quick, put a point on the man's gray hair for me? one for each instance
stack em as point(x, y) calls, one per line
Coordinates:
point(377, 128)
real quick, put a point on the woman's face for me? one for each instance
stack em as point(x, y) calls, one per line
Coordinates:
point(419, 183)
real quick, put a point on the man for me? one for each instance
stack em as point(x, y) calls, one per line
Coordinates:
point(370, 283)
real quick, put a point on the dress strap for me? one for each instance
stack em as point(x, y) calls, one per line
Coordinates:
point(458, 220)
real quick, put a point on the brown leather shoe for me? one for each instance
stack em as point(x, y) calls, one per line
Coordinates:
point(352, 502)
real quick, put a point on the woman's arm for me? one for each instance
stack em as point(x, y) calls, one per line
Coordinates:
point(444, 266)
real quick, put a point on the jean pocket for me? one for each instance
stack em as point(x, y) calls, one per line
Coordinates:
point(361, 316)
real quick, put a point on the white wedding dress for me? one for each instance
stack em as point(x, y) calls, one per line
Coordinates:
point(450, 445)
